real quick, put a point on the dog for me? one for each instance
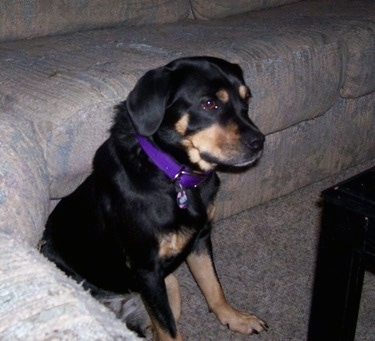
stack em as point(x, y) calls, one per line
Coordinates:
point(148, 204)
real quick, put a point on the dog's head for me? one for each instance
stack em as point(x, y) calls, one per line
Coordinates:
point(196, 109)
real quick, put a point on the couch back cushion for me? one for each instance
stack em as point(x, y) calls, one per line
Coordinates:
point(27, 19)
point(208, 9)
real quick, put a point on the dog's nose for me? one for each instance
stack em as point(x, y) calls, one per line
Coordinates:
point(256, 142)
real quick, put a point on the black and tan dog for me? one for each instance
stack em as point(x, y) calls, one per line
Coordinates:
point(148, 204)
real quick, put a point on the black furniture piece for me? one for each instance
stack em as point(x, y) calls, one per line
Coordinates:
point(346, 249)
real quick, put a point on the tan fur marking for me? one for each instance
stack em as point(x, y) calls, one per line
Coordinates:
point(174, 299)
point(223, 95)
point(174, 295)
point(195, 157)
point(218, 141)
point(203, 271)
point(159, 334)
point(203, 165)
point(244, 92)
point(182, 124)
point(216, 138)
point(172, 244)
point(211, 212)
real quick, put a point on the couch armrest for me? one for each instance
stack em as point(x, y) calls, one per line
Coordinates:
point(24, 187)
point(38, 302)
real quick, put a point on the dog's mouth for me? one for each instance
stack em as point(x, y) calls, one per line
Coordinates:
point(247, 163)
point(208, 161)
point(222, 146)
point(236, 162)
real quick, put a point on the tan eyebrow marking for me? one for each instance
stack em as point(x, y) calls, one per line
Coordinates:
point(223, 95)
point(244, 92)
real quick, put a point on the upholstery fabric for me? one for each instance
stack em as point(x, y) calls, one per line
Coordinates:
point(206, 9)
point(312, 149)
point(36, 300)
point(354, 23)
point(296, 70)
point(27, 19)
point(360, 67)
point(24, 186)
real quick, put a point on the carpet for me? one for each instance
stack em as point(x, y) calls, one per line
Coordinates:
point(265, 258)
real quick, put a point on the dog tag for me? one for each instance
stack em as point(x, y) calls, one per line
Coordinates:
point(182, 199)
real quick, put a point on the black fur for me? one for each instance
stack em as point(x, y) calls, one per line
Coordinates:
point(107, 232)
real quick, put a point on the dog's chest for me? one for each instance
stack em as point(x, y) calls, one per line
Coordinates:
point(174, 243)
point(191, 221)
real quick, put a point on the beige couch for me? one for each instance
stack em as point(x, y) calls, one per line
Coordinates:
point(310, 66)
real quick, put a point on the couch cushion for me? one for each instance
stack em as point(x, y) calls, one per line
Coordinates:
point(360, 65)
point(69, 92)
point(208, 9)
point(26, 19)
point(351, 21)
point(67, 85)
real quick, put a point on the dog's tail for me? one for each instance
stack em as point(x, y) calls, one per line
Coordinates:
point(130, 309)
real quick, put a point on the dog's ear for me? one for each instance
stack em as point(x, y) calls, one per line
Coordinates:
point(146, 102)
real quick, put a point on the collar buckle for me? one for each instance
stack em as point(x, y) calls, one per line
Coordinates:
point(187, 178)
point(178, 175)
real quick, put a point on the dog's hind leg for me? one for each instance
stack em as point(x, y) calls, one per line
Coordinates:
point(130, 309)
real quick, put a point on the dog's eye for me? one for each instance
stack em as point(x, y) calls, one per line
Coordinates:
point(209, 104)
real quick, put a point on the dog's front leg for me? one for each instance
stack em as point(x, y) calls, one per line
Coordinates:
point(156, 294)
point(201, 265)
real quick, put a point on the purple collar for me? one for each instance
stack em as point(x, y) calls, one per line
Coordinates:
point(181, 176)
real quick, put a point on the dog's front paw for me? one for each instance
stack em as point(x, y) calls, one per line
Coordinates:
point(243, 323)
